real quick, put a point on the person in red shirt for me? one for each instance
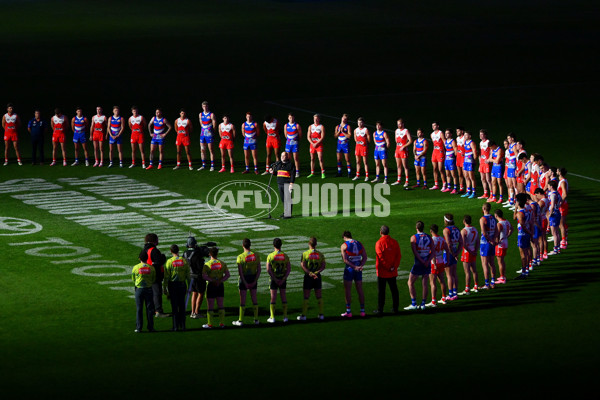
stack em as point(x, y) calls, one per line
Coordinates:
point(387, 260)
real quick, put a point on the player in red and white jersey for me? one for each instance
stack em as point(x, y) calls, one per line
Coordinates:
point(272, 130)
point(362, 138)
point(503, 231)
point(403, 141)
point(534, 173)
point(563, 190)
point(522, 170)
point(437, 156)
point(544, 176)
point(137, 124)
point(544, 203)
point(315, 137)
point(184, 128)
point(227, 134)
point(460, 157)
point(438, 267)
point(97, 133)
point(485, 168)
point(470, 238)
point(10, 124)
point(59, 125)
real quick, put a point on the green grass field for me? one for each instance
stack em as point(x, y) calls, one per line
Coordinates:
point(65, 293)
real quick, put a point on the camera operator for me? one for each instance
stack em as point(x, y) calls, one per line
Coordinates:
point(285, 171)
point(151, 255)
point(195, 256)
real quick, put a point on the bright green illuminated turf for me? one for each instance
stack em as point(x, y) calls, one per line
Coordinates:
point(67, 333)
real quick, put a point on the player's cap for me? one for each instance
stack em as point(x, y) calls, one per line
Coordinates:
point(191, 242)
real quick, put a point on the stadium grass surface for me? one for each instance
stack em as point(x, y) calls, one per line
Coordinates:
point(64, 334)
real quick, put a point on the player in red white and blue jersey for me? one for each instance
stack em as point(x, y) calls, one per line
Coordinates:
point(497, 160)
point(455, 244)
point(524, 232)
point(208, 127)
point(343, 133)
point(450, 163)
point(250, 130)
point(553, 215)
point(315, 137)
point(503, 231)
point(470, 154)
point(403, 141)
point(382, 142)
point(79, 125)
point(116, 126)
point(354, 256)
point(470, 238)
point(293, 133)
point(422, 248)
point(487, 223)
point(158, 127)
point(97, 136)
point(420, 147)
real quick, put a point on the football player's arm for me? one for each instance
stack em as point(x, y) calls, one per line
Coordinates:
point(214, 120)
point(169, 128)
point(73, 124)
point(387, 139)
point(3, 122)
point(425, 147)
point(233, 131)
point(565, 192)
point(299, 130)
point(410, 140)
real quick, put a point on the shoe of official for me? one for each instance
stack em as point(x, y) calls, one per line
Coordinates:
point(347, 314)
point(256, 322)
point(355, 178)
point(271, 320)
point(285, 319)
point(321, 317)
point(176, 167)
point(412, 307)
point(137, 331)
point(300, 318)
point(207, 326)
point(237, 323)
point(265, 173)
point(76, 162)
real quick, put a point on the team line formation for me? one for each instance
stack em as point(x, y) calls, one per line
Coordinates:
point(537, 195)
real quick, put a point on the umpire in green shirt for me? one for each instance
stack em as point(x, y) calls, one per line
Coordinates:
point(143, 276)
point(177, 275)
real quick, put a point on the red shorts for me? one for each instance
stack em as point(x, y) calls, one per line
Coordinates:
point(564, 208)
point(484, 168)
point(438, 269)
point(520, 179)
point(137, 137)
point(226, 144)
point(273, 142)
point(10, 136)
point(98, 137)
point(58, 137)
point(460, 160)
point(182, 140)
point(361, 151)
point(401, 153)
point(505, 173)
point(318, 149)
point(468, 257)
point(500, 252)
point(437, 156)
point(544, 225)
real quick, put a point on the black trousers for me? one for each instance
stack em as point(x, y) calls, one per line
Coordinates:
point(177, 292)
point(157, 296)
point(37, 143)
point(381, 284)
point(286, 198)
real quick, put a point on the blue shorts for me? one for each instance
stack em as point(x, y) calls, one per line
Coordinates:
point(449, 259)
point(291, 147)
point(420, 269)
point(351, 275)
point(497, 171)
point(380, 153)
point(528, 187)
point(468, 166)
point(158, 142)
point(510, 172)
point(554, 219)
point(486, 249)
point(118, 140)
point(536, 232)
point(206, 135)
point(249, 146)
point(449, 165)
point(524, 241)
point(79, 137)
point(421, 162)
point(343, 148)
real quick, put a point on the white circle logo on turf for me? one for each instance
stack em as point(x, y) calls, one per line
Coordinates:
point(242, 195)
point(10, 226)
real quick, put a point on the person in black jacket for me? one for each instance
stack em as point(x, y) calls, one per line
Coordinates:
point(195, 257)
point(151, 255)
point(285, 171)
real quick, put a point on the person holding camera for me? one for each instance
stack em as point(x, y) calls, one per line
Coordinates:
point(195, 255)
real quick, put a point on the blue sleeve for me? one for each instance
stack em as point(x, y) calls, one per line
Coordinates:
point(29, 124)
